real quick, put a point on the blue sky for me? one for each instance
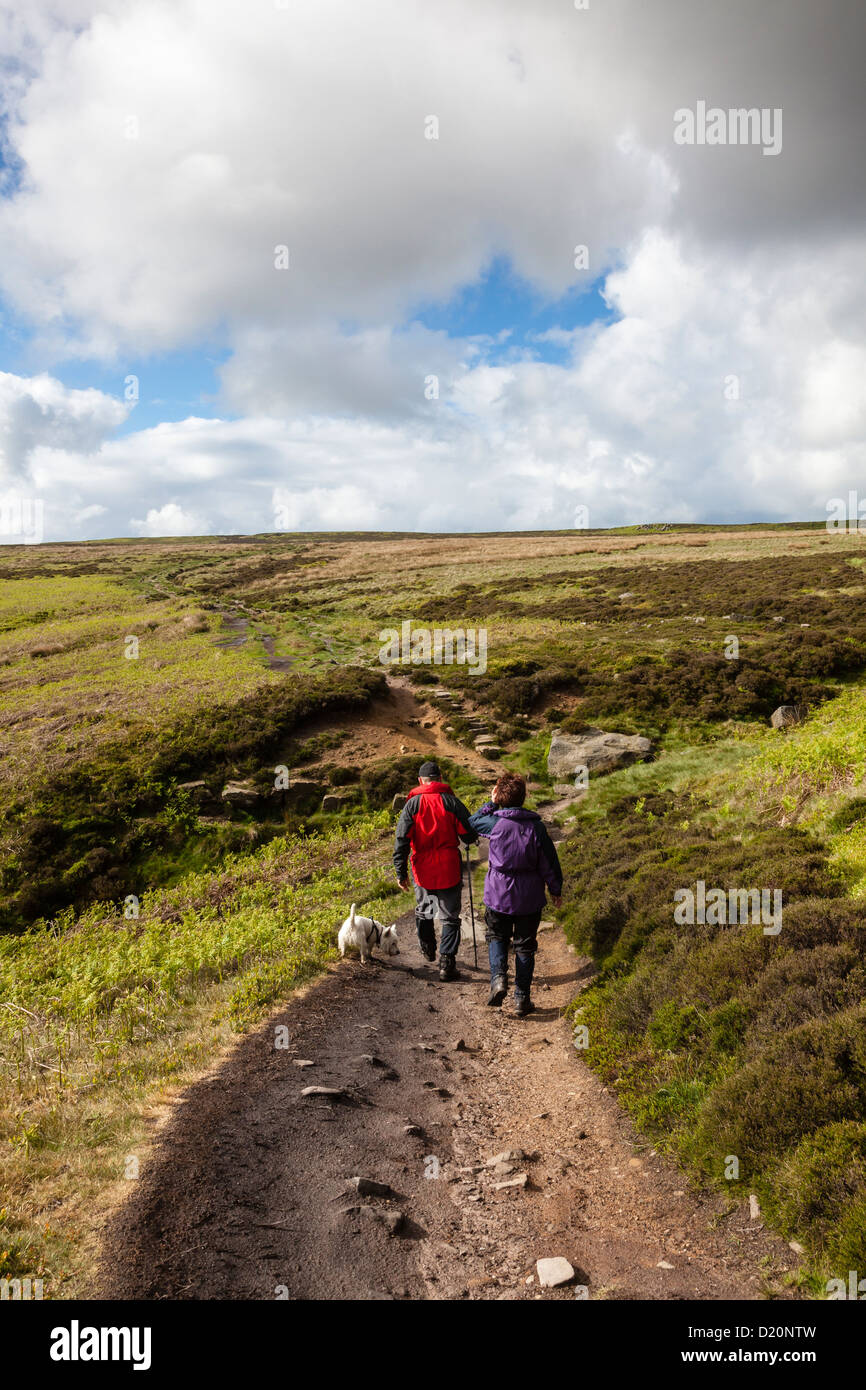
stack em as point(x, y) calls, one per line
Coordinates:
point(502, 309)
point(502, 301)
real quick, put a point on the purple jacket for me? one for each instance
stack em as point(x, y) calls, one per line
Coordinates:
point(522, 859)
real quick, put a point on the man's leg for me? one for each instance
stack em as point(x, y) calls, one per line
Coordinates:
point(497, 937)
point(525, 947)
point(448, 900)
point(425, 911)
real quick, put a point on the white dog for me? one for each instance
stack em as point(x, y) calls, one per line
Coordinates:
point(366, 934)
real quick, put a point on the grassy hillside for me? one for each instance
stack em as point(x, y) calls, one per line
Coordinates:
point(254, 652)
point(723, 1040)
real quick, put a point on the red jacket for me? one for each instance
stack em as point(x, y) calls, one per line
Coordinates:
point(432, 823)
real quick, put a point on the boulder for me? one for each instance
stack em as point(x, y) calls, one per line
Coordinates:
point(300, 793)
point(398, 802)
point(595, 750)
point(244, 795)
point(785, 716)
point(552, 1273)
point(331, 802)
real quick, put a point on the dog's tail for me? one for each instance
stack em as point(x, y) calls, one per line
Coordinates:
point(352, 915)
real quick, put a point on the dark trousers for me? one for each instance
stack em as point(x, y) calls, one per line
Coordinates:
point(505, 928)
point(446, 903)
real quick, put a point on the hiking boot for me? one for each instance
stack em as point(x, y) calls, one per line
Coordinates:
point(498, 991)
point(447, 968)
point(427, 951)
point(523, 1005)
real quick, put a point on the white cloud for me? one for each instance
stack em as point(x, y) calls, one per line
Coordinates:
point(169, 520)
point(39, 413)
point(170, 148)
point(165, 150)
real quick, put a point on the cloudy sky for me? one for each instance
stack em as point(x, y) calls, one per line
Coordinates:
point(316, 264)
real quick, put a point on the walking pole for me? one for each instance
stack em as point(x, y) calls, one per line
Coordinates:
point(471, 906)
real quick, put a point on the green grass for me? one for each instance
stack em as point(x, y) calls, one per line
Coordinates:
point(716, 1041)
point(101, 1012)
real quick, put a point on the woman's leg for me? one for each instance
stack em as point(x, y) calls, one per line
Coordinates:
point(497, 937)
point(525, 947)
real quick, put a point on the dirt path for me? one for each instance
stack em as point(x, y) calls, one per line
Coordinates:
point(248, 1193)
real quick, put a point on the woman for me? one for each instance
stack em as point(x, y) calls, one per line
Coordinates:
point(523, 861)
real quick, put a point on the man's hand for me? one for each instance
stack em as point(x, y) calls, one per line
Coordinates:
point(557, 902)
point(404, 885)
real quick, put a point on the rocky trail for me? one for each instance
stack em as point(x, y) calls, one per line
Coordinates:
point(386, 1136)
point(444, 1149)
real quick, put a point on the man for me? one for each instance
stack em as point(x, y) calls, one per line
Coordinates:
point(432, 824)
point(522, 863)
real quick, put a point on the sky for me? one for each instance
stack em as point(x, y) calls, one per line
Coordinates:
point(321, 265)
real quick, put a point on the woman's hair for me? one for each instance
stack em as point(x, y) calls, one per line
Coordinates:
point(510, 790)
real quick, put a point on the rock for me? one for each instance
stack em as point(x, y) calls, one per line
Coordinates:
point(301, 793)
point(520, 1181)
point(368, 1187)
point(328, 1092)
point(554, 1272)
point(785, 716)
point(302, 1062)
point(663, 1264)
point(502, 1170)
point(489, 750)
point(331, 802)
point(371, 1059)
point(458, 1045)
point(398, 802)
point(754, 1208)
point(796, 1247)
point(595, 750)
point(413, 1129)
point(244, 795)
point(507, 1156)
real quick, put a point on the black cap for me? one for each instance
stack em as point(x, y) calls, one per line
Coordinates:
point(430, 770)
